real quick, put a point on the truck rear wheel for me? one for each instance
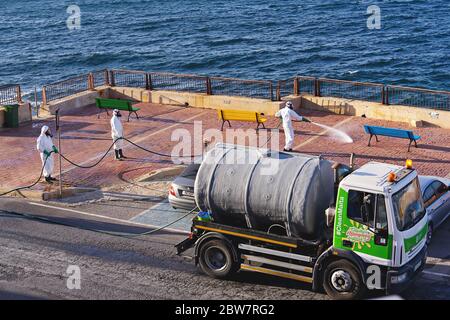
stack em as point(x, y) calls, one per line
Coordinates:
point(216, 259)
point(342, 281)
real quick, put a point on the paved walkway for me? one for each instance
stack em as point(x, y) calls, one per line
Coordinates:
point(85, 138)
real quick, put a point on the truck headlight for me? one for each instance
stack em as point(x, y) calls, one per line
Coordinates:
point(399, 278)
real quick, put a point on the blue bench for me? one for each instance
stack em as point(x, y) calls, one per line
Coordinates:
point(391, 132)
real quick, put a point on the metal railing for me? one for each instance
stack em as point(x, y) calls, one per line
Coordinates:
point(128, 78)
point(65, 88)
point(365, 91)
point(285, 88)
point(10, 94)
point(192, 83)
point(373, 92)
point(305, 85)
point(178, 82)
point(243, 88)
point(100, 78)
point(295, 86)
point(417, 97)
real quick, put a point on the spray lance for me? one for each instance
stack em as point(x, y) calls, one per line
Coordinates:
point(58, 132)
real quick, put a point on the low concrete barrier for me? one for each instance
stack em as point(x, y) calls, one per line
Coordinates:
point(72, 102)
point(197, 100)
point(412, 115)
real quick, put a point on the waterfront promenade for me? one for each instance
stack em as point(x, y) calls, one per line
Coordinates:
point(85, 138)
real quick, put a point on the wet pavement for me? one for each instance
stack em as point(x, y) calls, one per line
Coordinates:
point(86, 138)
point(123, 201)
point(163, 214)
point(36, 255)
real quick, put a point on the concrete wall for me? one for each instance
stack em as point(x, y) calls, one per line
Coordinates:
point(197, 100)
point(414, 116)
point(216, 102)
point(24, 114)
point(75, 101)
point(411, 115)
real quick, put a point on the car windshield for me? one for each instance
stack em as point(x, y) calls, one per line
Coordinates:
point(408, 206)
point(190, 171)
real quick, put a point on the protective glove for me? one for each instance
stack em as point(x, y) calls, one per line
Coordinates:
point(46, 153)
point(306, 120)
point(55, 150)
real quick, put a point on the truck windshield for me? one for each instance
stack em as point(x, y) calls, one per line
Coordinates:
point(408, 206)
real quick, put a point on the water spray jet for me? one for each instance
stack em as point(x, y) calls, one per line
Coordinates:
point(341, 135)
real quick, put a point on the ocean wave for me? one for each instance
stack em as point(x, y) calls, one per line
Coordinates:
point(230, 41)
point(251, 39)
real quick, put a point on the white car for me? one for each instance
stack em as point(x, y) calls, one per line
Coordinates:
point(436, 196)
point(181, 191)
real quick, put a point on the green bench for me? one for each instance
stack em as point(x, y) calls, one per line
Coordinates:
point(124, 105)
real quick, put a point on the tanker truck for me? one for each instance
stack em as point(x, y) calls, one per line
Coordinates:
point(305, 218)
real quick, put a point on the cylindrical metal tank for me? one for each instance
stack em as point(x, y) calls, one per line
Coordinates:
point(244, 186)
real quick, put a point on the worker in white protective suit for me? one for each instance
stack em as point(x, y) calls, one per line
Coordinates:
point(46, 148)
point(117, 133)
point(287, 114)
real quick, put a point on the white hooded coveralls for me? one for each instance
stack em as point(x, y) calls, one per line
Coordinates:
point(45, 143)
point(116, 132)
point(288, 115)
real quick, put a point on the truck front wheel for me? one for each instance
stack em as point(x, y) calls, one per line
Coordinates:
point(216, 259)
point(342, 281)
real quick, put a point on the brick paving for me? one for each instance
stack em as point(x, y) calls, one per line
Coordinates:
point(85, 138)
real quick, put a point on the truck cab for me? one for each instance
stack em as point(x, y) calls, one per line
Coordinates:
point(380, 220)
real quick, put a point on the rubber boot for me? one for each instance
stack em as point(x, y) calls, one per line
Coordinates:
point(117, 155)
point(121, 154)
point(48, 180)
point(52, 179)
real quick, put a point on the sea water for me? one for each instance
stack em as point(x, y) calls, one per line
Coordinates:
point(250, 39)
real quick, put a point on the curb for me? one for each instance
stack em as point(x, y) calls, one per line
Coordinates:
point(46, 195)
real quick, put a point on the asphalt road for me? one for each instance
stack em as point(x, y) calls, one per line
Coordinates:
point(35, 257)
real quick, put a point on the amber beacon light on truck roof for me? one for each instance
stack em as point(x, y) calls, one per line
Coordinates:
point(399, 175)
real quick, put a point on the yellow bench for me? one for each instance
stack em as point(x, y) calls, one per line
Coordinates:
point(241, 115)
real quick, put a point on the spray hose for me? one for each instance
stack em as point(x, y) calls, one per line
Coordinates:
point(117, 234)
point(110, 233)
point(270, 138)
point(104, 156)
point(128, 235)
point(132, 143)
point(95, 164)
point(158, 153)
